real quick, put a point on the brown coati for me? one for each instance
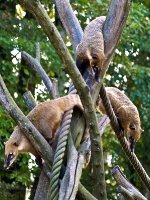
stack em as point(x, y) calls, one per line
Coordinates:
point(46, 117)
point(126, 112)
point(90, 51)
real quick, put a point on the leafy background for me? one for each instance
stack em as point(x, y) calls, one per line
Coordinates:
point(129, 71)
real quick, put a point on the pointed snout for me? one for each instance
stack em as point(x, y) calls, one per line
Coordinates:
point(5, 166)
point(8, 160)
point(7, 163)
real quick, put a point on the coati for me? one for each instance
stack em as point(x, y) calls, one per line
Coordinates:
point(90, 51)
point(46, 117)
point(126, 112)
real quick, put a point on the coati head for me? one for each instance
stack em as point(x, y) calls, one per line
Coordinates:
point(11, 152)
point(134, 134)
point(96, 62)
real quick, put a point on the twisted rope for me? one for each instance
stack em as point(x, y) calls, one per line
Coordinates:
point(115, 125)
point(60, 150)
point(58, 158)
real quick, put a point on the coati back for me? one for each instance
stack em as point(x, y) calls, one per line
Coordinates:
point(126, 112)
point(46, 117)
point(90, 51)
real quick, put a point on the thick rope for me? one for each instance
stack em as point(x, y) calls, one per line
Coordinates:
point(60, 150)
point(115, 125)
point(59, 154)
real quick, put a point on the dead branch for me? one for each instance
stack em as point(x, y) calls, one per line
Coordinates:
point(37, 66)
point(127, 188)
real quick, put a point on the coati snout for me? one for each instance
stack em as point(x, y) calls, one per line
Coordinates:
point(11, 152)
point(134, 135)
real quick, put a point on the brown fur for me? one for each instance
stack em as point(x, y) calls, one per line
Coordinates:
point(46, 117)
point(90, 51)
point(126, 112)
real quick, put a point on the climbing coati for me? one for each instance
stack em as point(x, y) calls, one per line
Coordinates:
point(90, 51)
point(46, 117)
point(126, 112)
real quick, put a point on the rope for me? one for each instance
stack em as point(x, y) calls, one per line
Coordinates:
point(60, 150)
point(59, 154)
point(124, 143)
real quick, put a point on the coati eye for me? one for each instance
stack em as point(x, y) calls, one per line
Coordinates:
point(132, 127)
point(15, 144)
point(94, 56)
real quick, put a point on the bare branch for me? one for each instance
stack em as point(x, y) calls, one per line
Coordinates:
point(38, 52)
point(103, 123)
point(29, 99)
point(55, 88)
point(120, 178)
point(125, 193)
point(35, 63)
point(69, 21)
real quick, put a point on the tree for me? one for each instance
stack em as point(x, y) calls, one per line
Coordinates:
point(106, 64)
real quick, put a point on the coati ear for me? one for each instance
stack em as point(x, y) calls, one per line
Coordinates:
point(141, 130)
point(15, 144)
point(132, 127)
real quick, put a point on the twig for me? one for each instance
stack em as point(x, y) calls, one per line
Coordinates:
point(29, 99)
point(38, 52)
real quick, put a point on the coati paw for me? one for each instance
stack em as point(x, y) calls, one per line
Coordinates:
point(39, 162)
point(97, 73)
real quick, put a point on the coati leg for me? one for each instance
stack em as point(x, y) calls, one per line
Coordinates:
point(38, 161)
point(122, 129)
point(132, 143)
point(97, 73)
point(82, 66)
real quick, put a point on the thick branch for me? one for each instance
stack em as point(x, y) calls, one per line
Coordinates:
point(120, 178)
point(69, 21)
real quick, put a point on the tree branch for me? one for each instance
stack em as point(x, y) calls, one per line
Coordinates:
point(69, 21)
point(126, 188)
point(29, 99)
point(35, 63)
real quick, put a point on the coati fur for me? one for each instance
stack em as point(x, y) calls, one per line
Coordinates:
point(46, 117)
point(90, 51)
point(126, 112)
